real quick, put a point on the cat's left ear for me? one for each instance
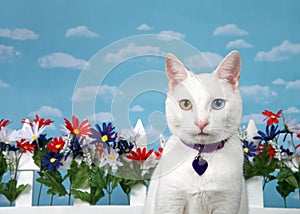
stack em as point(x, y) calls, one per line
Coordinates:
point(229, 69)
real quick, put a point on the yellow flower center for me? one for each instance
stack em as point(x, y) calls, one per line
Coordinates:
point(246, 150)
point(52, 160)
point(111, 157)
point(25, 147)
point(33, 137)
point(127, 150)
point(104, 138)
point(273, 116)
point(57, 146)
point(76, 131)
point(3, 139)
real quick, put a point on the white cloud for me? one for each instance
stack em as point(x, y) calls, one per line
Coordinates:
point(80, 31)
point(144, 27)
point(131, 50)
point(8, 53)
point(258, 118)
point(136, 108)
point(101, 117)
point(18, 34)
point(284, 51)
point(229, 30)
point(292, 110)
point(47, 111)
point(90, 92)
point(202, 60)
point(293, 84)
point(61, 60)
point(279, 81)
point(239, 43)
point(257, 92)
point(168, 35)
point(4, 84)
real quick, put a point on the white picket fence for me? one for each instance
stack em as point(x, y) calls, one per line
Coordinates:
point(23, 204)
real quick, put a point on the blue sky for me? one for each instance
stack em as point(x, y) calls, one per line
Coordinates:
point(44, 46)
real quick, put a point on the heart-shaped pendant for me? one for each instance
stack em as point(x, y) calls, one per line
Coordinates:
point(200, 165)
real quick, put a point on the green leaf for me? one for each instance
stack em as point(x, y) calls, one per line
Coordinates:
point(127, 184)
point(53, 180)
point(11, 191)
point(98, 178)
point(79, 174)
point(284, 189)
point(84, 196)
point(96, 194)
point(3, 165)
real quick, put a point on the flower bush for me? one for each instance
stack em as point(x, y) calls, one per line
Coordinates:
point(273, 153)
point(96, 160)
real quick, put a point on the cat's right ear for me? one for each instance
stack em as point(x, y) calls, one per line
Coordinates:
point(176, 72)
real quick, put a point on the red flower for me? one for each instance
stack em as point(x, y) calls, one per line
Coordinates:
point(273, 118)
point(25, 146)
point(41, 121)
point(140, 155)
point(158, 154)
point(75, 128)
point(3, 123)
point(271, 151)
point(56, 144)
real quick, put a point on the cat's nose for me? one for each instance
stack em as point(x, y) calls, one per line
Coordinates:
point(201, 124)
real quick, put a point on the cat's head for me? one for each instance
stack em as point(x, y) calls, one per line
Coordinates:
point(204, 108)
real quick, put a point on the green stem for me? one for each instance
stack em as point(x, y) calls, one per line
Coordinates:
point(284, 200)
point(128, 198)
point(39, 195)
point(109, 192)
point(51, 200)
point(69, 199)
point(265, 182)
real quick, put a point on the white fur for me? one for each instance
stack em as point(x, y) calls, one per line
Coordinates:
point(175, 187)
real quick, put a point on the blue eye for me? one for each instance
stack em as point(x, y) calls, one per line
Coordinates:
point(218, 104)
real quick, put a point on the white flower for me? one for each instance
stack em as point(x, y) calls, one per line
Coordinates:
point(9, 136)
point(292, 126)
point(110, 157)
point(31, 133)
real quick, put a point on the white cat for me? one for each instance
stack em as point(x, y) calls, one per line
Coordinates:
point(201, 170)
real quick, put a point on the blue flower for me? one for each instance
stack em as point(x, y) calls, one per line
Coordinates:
point(51, 161)
point(106, 135)
point(271, 133)
point(75, 148)
point(123, 147)
point(249, 149)
point(286, 151)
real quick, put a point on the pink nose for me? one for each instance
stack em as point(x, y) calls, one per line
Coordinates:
point(201, 124)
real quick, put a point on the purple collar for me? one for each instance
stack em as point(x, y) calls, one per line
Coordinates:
point(207, 148)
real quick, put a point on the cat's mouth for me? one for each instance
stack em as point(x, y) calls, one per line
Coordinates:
point(202, 134)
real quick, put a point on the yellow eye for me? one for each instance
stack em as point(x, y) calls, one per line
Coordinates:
point(185, 104)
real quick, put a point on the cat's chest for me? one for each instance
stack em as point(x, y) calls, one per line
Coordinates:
point(224, 166)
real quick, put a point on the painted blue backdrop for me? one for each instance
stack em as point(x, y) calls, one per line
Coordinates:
point(44, 45)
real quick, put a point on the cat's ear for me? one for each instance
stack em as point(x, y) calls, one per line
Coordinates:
point(176, 72)
point(229, 69)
